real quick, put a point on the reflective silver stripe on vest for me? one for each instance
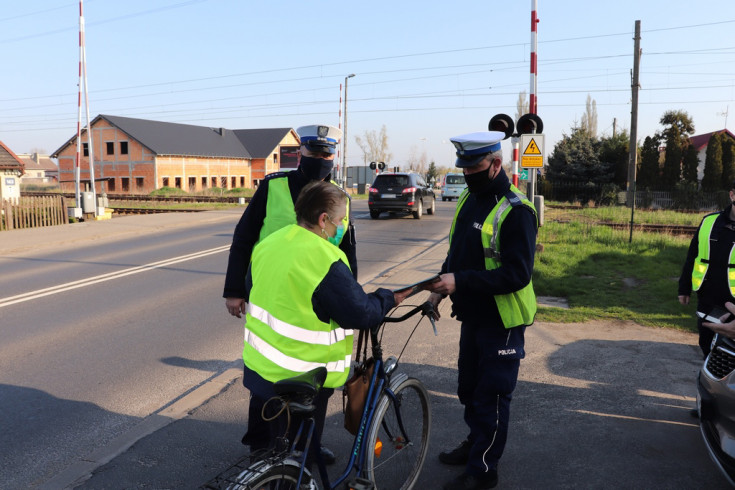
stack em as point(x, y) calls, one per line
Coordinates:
point(492, 252)
point(297, 333)
point(287, 362)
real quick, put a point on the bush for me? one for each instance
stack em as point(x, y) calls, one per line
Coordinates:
point(168, 191)
point(686, 195)
point(608, 195)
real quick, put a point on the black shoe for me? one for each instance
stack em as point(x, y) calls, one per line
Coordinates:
point(327, 455)
point(472, 482)
point(457, 456)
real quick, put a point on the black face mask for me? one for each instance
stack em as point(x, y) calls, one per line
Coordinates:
point(478, 182)
point(315, 168)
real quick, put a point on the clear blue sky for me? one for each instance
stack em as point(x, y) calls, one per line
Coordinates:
point(425, 70)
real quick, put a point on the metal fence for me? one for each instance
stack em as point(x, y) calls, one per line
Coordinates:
point(682, 198)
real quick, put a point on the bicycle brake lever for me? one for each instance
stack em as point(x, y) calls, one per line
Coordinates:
point(431, 319)
point(428, 310)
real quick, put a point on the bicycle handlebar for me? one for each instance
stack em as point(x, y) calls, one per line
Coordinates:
point(426, 309)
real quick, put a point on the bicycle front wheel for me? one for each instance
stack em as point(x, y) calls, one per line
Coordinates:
point(394, 457)
point(278, 476)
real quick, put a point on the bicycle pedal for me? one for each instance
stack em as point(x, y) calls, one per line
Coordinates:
point(360, 484)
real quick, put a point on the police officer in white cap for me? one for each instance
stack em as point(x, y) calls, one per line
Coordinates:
point(270, 209)
point(487, 275)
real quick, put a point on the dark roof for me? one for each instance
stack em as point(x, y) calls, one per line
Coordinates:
point(261, 142)
point(701, 140)
point(166, 138)
point(8, 159)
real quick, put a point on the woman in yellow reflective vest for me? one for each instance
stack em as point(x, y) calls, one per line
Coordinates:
point(303, 304)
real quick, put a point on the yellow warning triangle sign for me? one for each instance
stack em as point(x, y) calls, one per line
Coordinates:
point(532, 148)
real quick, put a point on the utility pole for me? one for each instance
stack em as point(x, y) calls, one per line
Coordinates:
point(615, 123)
point(633, 154)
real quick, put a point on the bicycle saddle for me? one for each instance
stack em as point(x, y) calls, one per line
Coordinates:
point(307, 383)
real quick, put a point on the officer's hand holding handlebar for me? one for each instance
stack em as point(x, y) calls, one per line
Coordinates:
point(435, 299)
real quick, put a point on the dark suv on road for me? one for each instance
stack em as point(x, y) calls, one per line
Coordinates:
point(401, 192)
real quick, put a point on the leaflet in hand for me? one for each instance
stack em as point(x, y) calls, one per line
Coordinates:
point(418, 286)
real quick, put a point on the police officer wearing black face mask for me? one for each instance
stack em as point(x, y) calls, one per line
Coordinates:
point(487, 275)
point(270, 209)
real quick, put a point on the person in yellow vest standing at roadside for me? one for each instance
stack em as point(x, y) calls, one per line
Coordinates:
point(487, 275)
point(270, 209)
point(709, 268)
point(303, 304)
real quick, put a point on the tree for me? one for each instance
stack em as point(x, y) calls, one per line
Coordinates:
point(728, 161)
point(614, 156)
point(690, 165)
point(576, 158)
point(375, 146)
point(521, 105)
point(712, 178)
point(589, 118)
point(432, 173)
point(676, 134)
point(648, 174)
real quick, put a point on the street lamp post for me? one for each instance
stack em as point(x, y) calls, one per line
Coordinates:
point(344, 137)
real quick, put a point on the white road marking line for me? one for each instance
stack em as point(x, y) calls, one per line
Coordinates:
point(11, 300)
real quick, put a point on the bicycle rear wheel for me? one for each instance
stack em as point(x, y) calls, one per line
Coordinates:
point(278, 476)
point(392, 462)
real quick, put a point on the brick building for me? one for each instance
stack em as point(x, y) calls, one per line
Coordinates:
point(139, 155)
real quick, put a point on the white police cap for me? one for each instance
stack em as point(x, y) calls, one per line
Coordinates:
point(320, 137)
point(472, 147)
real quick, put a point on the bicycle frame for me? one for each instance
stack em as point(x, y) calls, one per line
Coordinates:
point(359, 450)
point(376, 388)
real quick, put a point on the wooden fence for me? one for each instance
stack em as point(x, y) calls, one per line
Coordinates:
point(33, 212)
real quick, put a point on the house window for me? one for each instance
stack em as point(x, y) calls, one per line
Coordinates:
point(111, 185)
point(214, 181)
point(139, 183)
point(204, 183)
point(125, 184)
point(123, 147)
point(275, 158)
point(85, 149)
point(242, 181)
point(110, 148)
point(165, 182)
point(233, 181)
point(178, 182)
point(192, 184)
point(224, 182)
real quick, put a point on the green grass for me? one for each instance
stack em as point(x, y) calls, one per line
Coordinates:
point(603, 276)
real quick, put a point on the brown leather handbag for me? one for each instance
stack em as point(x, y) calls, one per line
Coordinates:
point(355, 390)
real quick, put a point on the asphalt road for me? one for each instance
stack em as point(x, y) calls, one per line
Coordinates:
point(142, 390)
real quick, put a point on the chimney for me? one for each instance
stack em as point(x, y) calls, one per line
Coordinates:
point(36, 158)
point(222, 132)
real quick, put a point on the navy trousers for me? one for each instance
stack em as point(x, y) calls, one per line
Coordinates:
point(488, 371)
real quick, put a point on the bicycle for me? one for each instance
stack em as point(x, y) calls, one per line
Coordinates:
point(391, 443)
